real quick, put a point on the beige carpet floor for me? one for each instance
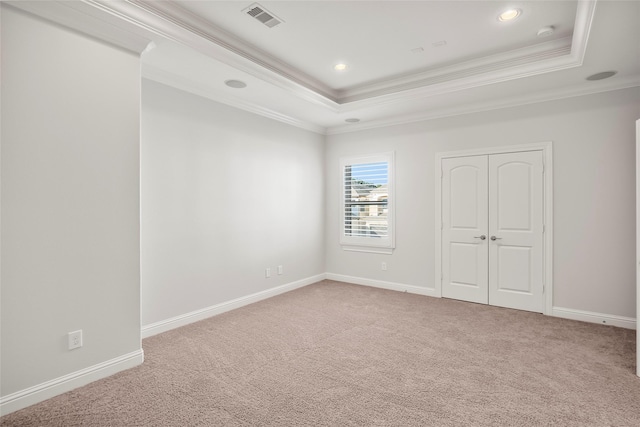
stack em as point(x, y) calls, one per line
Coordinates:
point(335, 354)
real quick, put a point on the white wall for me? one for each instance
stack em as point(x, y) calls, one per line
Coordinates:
point(594, 193)
point(225, 194)
point(70, 202)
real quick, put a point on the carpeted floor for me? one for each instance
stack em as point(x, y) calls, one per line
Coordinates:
point(335, 354)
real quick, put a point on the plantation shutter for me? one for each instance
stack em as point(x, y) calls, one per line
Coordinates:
point(366, 200)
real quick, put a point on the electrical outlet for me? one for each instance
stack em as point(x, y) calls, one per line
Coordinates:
point(75, 339)
point(280, 270)
point(267, 272)
point(383, 266)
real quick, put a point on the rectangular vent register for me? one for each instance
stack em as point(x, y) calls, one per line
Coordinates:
point(261, 14)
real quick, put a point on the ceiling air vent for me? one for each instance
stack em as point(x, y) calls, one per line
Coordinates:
point(261, 14)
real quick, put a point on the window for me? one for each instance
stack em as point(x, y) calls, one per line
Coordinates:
point(367, 203)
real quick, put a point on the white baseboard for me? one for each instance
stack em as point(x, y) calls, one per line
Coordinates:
point(194, 316)
point(566, 313)
point(49, 389)
point(412, 289)
point(591, 317)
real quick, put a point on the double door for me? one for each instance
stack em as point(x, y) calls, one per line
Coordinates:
point(492, 229)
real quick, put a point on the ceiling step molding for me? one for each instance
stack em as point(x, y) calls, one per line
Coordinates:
point(556, 55)
point(85, 18)
point(175, 23)
point(581, 29)
point(542, 58)
point(502, 67)
point(567, 52)
point(133, 24)
point(478, 107)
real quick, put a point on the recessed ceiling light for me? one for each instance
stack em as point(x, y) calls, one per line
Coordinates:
point(236, 84)
point(509, 15)
point(340, 67)
point(352, 120)
point(602, 75)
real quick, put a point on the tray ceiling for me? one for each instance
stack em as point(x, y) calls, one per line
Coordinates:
point(406, 60)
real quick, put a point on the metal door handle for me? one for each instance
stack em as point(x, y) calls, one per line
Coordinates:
point(480, 237)
point(496, 238)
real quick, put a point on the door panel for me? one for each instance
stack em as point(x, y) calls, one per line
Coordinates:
point(514, 186)
point(464, 219)
point(516, 222)
point(464, 263)
point(464, 185)
point(514, 269)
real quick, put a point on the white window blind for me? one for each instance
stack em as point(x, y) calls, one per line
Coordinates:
point(367, 204)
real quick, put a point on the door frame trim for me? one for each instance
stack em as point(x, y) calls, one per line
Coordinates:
point(547, 158)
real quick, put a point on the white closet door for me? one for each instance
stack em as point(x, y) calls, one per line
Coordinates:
point(516, 230)
point(464, 229)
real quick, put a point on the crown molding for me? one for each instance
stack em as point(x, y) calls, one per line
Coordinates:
point(537, 59)
point(582, 28)
point(133, 24)
point(175, 23)
point(479, 75)
point(198, 25)
point(539, 97)
point(476, 68)
point(518, 63)
point(174, 80)
point(84, 18)
point(202, 36)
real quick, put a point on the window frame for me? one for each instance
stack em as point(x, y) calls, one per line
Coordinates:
point(384, 245)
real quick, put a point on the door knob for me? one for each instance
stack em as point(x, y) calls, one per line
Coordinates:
point(496, 238)
point(480, 237)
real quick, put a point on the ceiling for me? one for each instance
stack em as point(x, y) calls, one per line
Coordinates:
point(376, 38)
point(406, 60)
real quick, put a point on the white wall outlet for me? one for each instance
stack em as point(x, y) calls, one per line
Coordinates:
point(267, 272)
point(280, 269)
point(383, 266)
point(75, 339)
